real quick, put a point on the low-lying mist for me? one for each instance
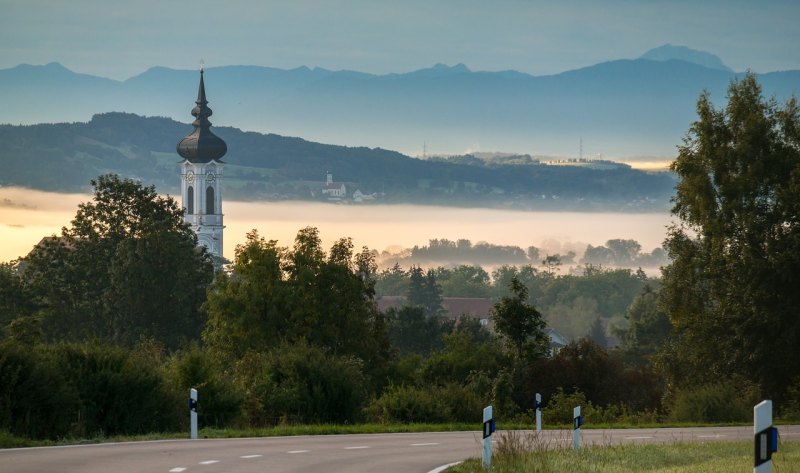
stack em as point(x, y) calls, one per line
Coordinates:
point(28, 215)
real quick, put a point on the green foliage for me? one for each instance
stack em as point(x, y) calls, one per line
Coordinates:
point(36, 401)
point(724, 401)
point(503, 396)
point(597, 333)
point(15, 298)
point(731, 290)
point(464, 281)
point(410, 331)
point(118, 391)
point(220, 400)
point(424, 291)
point(520, 324)
point(598, 373)
point(447, 403)
point(647, 329)
point(559, 408)
point(790, 409)
point(464, 354)
point(275, 294)
point(301, 383)
point(104, 277)
point(393, 281)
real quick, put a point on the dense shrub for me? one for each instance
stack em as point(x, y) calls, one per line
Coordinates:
point(726, 401)
point(118, 391)
point(448, 403)
point(790, 408)
point(601, 375)
point(219, 400)
point(559, 408)
point(301, 383)
point(35, 399)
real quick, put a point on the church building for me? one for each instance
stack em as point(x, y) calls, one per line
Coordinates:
point(201, 172)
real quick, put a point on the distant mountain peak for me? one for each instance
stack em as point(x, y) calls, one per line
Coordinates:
point(441, 70)
point(669, 52)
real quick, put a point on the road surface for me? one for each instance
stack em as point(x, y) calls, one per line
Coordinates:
point(384, 453)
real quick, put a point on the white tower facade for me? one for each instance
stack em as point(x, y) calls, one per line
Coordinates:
point(202, 171)
point(201, 195)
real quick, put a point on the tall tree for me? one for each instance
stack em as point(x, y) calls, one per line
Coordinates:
point(127, 268)
point(648, 326)
point(424, 291)
point(277, 295)
point(520, 324)
point(731, 289)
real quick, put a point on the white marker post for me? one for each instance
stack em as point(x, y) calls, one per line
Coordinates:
point(193, 412)
point(577, 422)
point(488, 429)
point(766, 437)
point(538, 412)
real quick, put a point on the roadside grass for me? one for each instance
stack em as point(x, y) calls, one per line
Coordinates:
point(517, 453)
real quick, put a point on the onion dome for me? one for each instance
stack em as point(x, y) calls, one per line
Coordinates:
point(201, 145)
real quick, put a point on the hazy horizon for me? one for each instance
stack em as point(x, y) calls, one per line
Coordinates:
point(121, 39)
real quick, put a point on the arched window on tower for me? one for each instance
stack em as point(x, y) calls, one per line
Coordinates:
point(190, 200)
point(210, 201)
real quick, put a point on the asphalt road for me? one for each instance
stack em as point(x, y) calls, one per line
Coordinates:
point(385, 453)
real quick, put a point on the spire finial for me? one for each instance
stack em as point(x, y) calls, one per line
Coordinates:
point(202, 65)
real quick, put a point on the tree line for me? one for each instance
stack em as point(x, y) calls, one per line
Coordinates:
point(618, 252)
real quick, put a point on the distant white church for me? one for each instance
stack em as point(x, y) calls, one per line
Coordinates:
point(334, 190)
point(201, 171)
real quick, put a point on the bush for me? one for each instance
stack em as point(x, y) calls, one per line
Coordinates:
point(118, 392)
point(449, 403)
point(302, 383)
point(408, 404)
point(559, 408)
point(35, 399)
point(220, 401)
point(727, 401)
point(791, 403)
point(597, 373)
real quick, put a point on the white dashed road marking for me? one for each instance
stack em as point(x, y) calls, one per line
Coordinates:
point(423, 444)
point(639, 438)
point(298, 451)
point(208, 462)
point(251, 456)
point(715, 436)
point(177, 470)
point(360, 447)
point(443, 467)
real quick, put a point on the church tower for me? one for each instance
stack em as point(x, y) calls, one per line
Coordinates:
point(201, 171)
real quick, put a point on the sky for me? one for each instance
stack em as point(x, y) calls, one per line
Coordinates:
point(120, 39)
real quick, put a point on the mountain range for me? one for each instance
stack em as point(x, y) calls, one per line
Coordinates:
point(621, 108)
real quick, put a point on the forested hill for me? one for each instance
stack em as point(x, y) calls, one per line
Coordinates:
point(65, 156)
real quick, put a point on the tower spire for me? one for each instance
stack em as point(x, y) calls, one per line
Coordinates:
point(201, 145)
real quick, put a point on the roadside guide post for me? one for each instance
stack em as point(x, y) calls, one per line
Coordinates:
point(193, 412)
point(538, 406)
point(766, 437)
point(488, 430)
point(577, 422)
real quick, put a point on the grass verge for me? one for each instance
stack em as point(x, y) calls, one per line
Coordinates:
point(513, 455)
